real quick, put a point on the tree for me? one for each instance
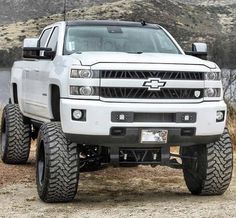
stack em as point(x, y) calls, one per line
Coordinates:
point(229, 84)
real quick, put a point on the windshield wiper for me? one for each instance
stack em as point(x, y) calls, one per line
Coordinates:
point(135, 52)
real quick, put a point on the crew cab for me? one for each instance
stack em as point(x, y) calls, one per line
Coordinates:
point(119, 93)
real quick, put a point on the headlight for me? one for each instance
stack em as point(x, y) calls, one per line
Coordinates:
point(212, 76)
point(212, 92)
point(84, 90)
point(85, 73)
point(74, 90)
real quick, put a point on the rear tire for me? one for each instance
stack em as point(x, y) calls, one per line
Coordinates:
point(15, 136)
point(211, 172)
point(57, 165)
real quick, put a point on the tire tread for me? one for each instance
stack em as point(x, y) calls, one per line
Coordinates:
point(62, 165)
point(18, 136)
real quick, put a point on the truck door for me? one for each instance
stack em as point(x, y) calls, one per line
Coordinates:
point(36, 83)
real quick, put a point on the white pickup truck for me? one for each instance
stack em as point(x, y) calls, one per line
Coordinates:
point(119, 93)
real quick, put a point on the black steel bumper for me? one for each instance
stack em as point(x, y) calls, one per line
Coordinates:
point(124, 137)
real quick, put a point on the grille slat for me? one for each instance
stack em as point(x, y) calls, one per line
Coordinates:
point(168, 75)
point(141, 93)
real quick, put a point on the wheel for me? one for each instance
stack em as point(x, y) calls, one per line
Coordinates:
point(15, 136)
point(211, 171)
point(57, 165)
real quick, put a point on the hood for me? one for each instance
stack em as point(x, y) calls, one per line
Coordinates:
point(92, 58)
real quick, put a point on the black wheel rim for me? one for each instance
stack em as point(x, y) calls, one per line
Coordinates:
point(3, 136)
point(41, 164)
point(194, 168)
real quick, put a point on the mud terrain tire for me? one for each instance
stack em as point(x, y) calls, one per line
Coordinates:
point(57, 165)
point(210, 173)
point(15, 136)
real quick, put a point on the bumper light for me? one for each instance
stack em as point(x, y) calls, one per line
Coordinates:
point(77, 114)
point(220, 116)
point(212, 92)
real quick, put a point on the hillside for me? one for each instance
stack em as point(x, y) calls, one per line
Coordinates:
point(188, 23)
point(23, 10)
point(207, 2)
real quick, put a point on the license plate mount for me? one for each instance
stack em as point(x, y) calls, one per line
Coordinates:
point(154, 136)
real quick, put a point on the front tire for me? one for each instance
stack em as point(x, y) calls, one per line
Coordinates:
point(211, 171)
point(57, 165)
point(15, 136)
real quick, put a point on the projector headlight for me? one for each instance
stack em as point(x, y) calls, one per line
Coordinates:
point(84, 90)
point(212, 76)
point(212, 92)
point(85, 73)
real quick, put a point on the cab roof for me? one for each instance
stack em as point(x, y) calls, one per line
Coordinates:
point(110, 23)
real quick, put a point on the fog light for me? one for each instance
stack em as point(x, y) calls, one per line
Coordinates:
point(86, 90)
point(77, 114)
point(186, 118)
point(220, 116)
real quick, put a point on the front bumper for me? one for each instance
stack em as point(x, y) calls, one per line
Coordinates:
point(97, 127)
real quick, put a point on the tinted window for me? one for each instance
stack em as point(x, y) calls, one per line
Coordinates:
point(53, 39)
point(118, 39)
point(44, 37)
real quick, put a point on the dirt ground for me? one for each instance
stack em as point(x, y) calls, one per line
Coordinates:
point(113, 192)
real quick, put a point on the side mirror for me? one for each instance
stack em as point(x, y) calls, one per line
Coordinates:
point(32, 51)
point(198, 50)
point(30, 42)
point(49, 54)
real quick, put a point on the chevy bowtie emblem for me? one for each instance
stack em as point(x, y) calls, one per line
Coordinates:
point(154, 84)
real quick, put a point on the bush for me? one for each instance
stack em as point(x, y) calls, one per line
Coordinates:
point(7, 57)
point(231, 122)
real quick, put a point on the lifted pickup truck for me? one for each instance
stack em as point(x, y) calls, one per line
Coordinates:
point(119, 93)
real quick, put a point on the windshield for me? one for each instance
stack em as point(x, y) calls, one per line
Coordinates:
point(117, 39)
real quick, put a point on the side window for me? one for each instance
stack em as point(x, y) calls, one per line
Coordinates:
point(53, 39)
point(44, 37)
